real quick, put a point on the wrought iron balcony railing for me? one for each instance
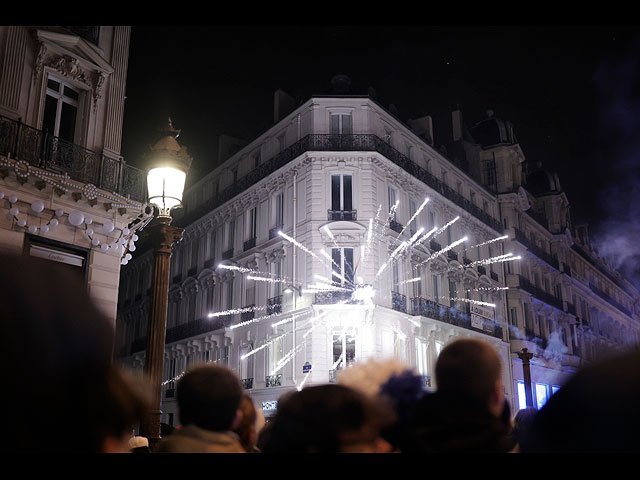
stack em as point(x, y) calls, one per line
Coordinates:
point(245, 316)
point(226, 255)
point(452, 255)
point(43, 150)
point(395, 226)
point(186, 330)
point(327, 298)
point(323, 142)
point(249, 244)
point(247, 383)
point(536, 250)
point(273, 233)
point(540, 294)
point(611, 301)
point(452, 316)
point(435, 246)
point(481, 270)
point(494, 276)
point(398, 302)
point(274, 305)
point(273, 380)
point(335, 215)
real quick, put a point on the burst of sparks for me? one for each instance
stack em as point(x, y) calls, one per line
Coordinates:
point(297, 244)
point(444, 250)
point(426, 200)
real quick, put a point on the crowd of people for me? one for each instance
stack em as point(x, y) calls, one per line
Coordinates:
point(60, 352)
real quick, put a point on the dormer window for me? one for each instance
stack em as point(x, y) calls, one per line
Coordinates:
point(340, 124)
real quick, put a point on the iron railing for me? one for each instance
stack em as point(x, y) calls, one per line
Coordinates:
point(324, 142)
point(247, 383)
point(227, 254)
point(395, 226)
point(398, 302)
point(540, 294)
point(335, 215)
point(186, 330)
point(536, 250)
point(43, 150)
point(274, 305)
point(452, 316)
point(273, 380)
point(612, 301)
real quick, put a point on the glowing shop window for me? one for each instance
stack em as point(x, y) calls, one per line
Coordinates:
point(522, 396)
point(554, 389)
point(541, 394)
point(421, 356)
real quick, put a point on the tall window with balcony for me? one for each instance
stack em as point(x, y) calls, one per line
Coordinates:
point(490, 175)
point(344, 347)
point(422, 357)
point(250, 228)
point(274, 292)
point(277, 214)
point(61, 109)
point(342, 198)
point(276, 351)
point(343, 258)
point(229, 233)
point(412, 211)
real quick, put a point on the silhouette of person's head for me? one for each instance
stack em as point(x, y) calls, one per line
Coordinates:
point(472, 368)
point(209, 397)
point(327, 419)
point(59, 346)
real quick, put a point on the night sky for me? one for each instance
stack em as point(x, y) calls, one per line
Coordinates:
point(572, 94)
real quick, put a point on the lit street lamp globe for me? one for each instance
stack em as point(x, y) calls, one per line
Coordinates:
point(167, 163)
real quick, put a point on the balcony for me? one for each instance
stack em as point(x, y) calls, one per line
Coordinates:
point(335, 215)
point(344, 143)
point(540, 294)
point(481, 270)
point(537, 251)
point(274, 305)
point(273, 233)
point(247, 383)
point(42, 150)
point(494, 276)
point(246, 316)
point(452, 316)
point(451, 255)
point(395, 226)
point(249, 244)
point(186, 330)
point(398, 302)
point(328, 298)
point(466, 261)
point(610, 300)
point(434, 246)
point(227, 254)
point(273, 380)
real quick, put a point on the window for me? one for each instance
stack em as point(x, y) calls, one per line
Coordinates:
point(340, 124)
point(276, 271)
point(250, 227)
point(61, 109)
point(278, 210)
point(513, 316)
point(409, 150)
point(422, 362)
point(453, 294)
point(436, 288)
point(472, 196)
point(341, 193)
point(246, 365)
point(522, 396)
point(229, 234)
point(229, 294)
point(257, 159)
point(276, 352)
point(281, 142)
point(432, 219)
point(393, 198)
point(343, 260)
point(490, 176)
point(400, 345)
point(412, 212)
point(541, 394)
point(344, 347)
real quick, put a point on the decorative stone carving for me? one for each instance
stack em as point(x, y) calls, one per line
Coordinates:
point(69, 67)
point(523, 200)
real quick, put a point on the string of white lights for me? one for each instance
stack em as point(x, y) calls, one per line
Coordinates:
point(426, 200)
point(443, 250)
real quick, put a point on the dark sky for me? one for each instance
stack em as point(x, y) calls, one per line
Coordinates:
point(560, 86)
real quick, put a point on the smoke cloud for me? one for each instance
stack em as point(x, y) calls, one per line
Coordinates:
point(617, 238)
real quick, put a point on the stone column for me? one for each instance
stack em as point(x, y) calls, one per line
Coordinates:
point(526, 357)
point(163, 237)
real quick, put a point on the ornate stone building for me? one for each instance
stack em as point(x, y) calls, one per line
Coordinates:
point(65, 192)
point(327, 196)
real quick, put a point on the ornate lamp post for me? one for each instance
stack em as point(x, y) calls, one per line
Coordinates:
point(526, 357)
point(168, 164)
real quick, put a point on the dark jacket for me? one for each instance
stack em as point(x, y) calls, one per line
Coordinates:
point(193, 439)
point(455, 424)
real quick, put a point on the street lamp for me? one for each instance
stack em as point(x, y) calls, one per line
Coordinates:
point(167, 164)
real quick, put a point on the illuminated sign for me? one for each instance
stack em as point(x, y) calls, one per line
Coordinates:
point(269, 405)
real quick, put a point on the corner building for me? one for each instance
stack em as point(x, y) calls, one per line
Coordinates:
point(328, 175)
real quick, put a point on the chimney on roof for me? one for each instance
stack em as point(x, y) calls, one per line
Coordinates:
point(423, 127)
point(283, 104)
point(456, 120)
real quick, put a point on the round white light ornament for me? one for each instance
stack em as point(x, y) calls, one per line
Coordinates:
point(37, 206)
point(44, 228)
point(1, 195)
point(89, 231)
point(126, 231)
point(88, 220)
point(76, 218)
point(95, 242)
point(108, 226)
point(22, 222)
point(12, 199)
point(104, 247)
point(14, 211)
point(33, 229)
point(53, 222)
point(59, 212)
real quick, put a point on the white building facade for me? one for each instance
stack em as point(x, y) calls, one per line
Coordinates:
point(329, 176)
